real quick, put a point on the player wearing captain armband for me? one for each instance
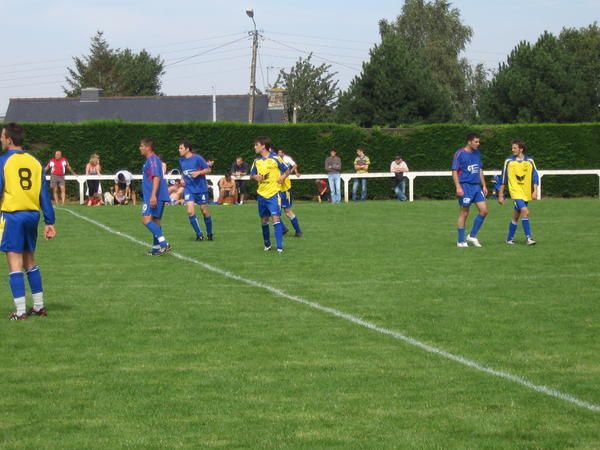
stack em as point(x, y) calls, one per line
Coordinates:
point(24, 195)
point(522, 179)
point(270, 172)
point(194, 169)
point(467, 173)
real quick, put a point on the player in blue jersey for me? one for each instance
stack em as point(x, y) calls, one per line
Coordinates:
point(156, 194)
point(270, 172)
point(194, 169)
point(24, 195)
point(467, 173)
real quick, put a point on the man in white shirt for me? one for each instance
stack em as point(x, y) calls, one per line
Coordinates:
point(399, 168)
point(124, 182)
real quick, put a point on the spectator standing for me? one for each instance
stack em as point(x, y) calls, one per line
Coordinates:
point(93, 168)
point(227, 190)
point(321, 190)
point(240, 168)
point(361, 165)
point(333, 166)
point(58, 167)
point(124, 182)
point(399, 168)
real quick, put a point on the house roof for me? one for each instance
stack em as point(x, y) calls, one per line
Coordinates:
point(230, 108)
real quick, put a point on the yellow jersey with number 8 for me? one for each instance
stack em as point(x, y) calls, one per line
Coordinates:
point(22, 179)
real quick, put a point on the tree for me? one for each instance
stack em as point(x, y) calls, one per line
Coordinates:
point(394, 88)
point(557, 79)
point(312, 89)
point(434, 32)
point(117, 72)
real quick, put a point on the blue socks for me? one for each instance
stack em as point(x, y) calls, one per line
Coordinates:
point(16, 280)
point(512, 229)
point(195, 225)
point(266, 234)
point(34, 276)
point(526, 227)
point(477, 225)
point(157, 233)
point(208, 224)
point(296, 225)
point(461, 235)
point(278, 226)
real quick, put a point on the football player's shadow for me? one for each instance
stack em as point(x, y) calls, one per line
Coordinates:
point(59, 306)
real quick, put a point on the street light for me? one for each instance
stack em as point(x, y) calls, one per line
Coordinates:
point(254, 33)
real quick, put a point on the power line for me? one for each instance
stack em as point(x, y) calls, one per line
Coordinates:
point(355, 58)
point(321, 38)
point(205, 52)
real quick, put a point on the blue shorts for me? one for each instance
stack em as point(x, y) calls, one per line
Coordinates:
point(473, 194)
point(19, 231)
point(199, 199)
point(268, 207)
point(157, 212)
point(520, 204)
point(286, 199)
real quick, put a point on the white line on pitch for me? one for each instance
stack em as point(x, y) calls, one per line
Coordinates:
point(363, 323)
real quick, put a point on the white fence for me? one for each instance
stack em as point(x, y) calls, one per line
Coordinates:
point(346, 178)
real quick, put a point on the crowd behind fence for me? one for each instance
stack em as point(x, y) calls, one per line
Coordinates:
point(346, 178)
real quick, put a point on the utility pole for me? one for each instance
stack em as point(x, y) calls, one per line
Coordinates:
point(254, 34)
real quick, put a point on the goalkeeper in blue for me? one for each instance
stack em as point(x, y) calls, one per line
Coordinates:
point(270, 172)
point(194, 169)
point(522, 179)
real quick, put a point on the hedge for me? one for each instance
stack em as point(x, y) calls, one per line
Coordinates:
point(428, 147)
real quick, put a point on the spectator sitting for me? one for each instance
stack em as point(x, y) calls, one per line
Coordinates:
point(227, 190)
point(238, 169)
point(322, 190)
point(120, 197)
point(399, 168)
point(176, 192)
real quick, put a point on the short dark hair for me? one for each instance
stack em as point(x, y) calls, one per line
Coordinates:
point(333, 150)
point(187, 144)
point(472, 136)
point(15, 132)
point(148, 142)
point(520, 143)
point(264, 140)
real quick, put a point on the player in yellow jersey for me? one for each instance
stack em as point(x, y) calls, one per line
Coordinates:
point(24, 195)
point(286, 193)
point(270, 172)
point(521, 177)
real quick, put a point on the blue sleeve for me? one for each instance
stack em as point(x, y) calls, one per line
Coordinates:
point(46, 203)
point(282, 166)
point(155, 167)
point(456, 161)
point(505, 173)
point(202, 164)
point(253, 171)
point(536, 176)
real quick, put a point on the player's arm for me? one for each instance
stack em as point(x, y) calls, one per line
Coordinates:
point(459, 189)
point(483, 183)
point(254, 175)
point(47, 210)
point(536, 181)
point(503, 183)
point(284, 169)
point(155, 185)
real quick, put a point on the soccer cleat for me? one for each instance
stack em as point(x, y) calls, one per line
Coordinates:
point(152, 252)
point(279, 250)
point(199, 238)
point(209, 237)
point(510, 242)
point(15, 316)
point(299, 235)
point(531, 241)
point(286, 231)
point(267, 248)
point(41, 312)
point(462, 245)
point(473, 241)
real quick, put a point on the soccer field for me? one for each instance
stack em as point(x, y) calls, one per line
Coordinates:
point(372, 331)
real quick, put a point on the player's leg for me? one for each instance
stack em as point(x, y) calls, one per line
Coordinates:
point(207, 221)
point(278, 228)
point(479, 200)
point(152, 222)
point(512, 226)
point(294, 219)
point(527, 225)
point(193, 219)
point(34, 278)
point(463, 215)
point(16, 281)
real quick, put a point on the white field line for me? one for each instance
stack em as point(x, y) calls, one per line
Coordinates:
point(363, 323)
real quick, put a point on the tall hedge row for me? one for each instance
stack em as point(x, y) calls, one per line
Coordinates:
point(430, 147)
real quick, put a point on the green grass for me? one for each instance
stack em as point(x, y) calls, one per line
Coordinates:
point(161, 353)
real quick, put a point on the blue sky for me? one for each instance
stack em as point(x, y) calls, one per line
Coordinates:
point(41, 36)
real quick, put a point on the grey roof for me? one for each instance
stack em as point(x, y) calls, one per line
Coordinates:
point(230, 108)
